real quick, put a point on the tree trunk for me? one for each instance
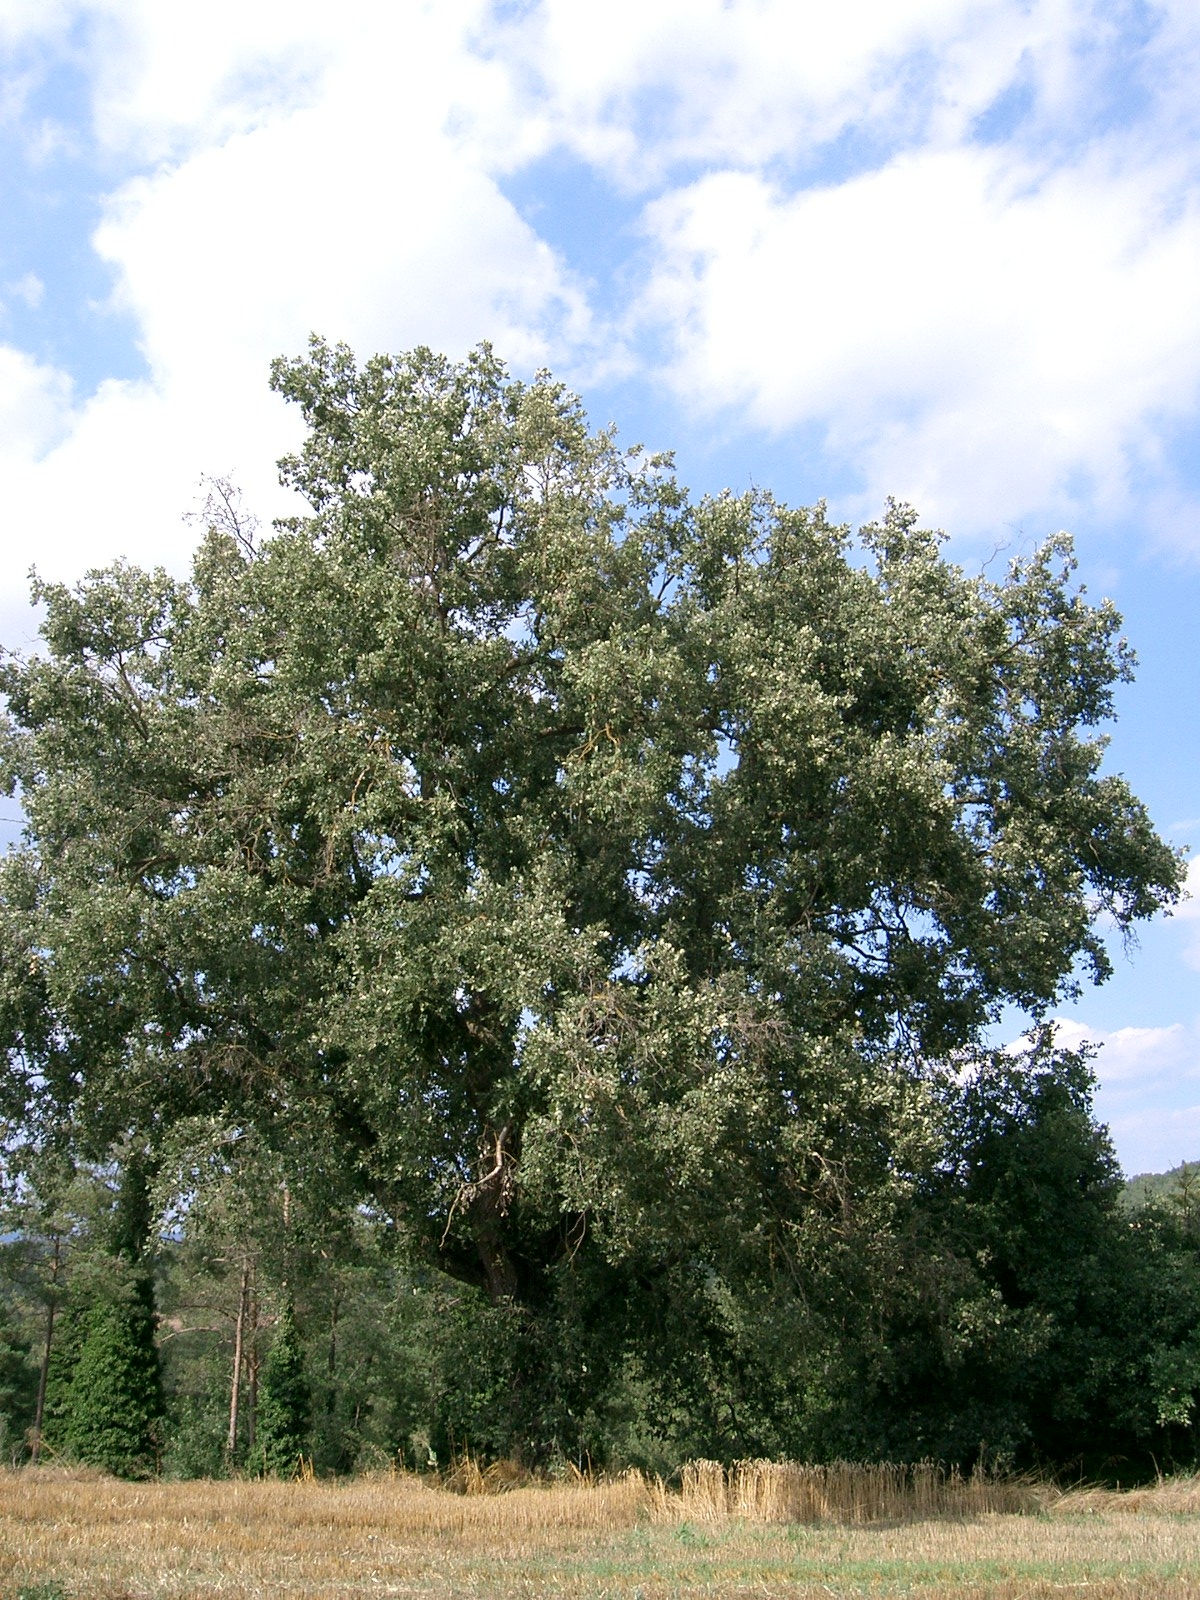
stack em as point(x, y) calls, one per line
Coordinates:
point(498, 1268)
point(488, 1206)
point(335, 1308)
point(235, 1388)
point(252, 1372)
point(51, 1308)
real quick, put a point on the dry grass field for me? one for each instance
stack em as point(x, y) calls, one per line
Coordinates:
point(74, 1535)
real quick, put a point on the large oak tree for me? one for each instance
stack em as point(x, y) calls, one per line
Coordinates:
point(567, 863)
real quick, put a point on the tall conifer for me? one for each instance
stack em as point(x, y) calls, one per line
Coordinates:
point(284, 1405)
point(115, 1401)
point(114, 1404)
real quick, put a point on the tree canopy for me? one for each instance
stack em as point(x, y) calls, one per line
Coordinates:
point(588, 877)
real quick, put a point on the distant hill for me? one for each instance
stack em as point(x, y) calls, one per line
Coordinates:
point(1148, 1186)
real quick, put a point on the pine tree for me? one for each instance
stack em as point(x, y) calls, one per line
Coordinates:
point(115, 1401)
point(114, 1406)
point(284, 1405)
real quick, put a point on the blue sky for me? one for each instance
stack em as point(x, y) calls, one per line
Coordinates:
point(942, 249)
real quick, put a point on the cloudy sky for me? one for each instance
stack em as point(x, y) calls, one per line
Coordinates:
point(942, 249)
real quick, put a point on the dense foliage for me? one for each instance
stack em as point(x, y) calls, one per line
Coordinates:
point(586, 909)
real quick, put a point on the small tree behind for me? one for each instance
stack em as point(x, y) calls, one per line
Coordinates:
point(284, 1405)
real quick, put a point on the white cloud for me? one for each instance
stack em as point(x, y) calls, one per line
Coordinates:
point(357, 210)
point(642, 85)
point(176, 80)
point(974, 335)
point(22, 20)
point(989, 330)
point(995, 331)
point(29, 289)
point(1141, 1058)
point(35, 403)
point(1148, 1089)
